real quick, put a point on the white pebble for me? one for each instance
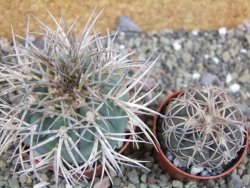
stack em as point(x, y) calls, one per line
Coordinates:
point(195, 32)
point(229, 78)
point(223, 31)
point(216, 60)
point(243, 51)
point(196, 76)
point(31, 37)
point(4, 44)
point(206, 56)
point(177, 45)
point(179, 162)
point(41, 184)
point(196, 169)
point(122, 46)
point(234, 88)
point(68, 186)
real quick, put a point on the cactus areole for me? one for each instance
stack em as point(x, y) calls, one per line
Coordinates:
point(113, 119)
point(74, 101)
point(204, 129)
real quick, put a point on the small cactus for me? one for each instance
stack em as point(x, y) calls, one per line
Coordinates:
point(77, 99)
point(204, 127)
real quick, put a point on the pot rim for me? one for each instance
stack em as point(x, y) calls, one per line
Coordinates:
point(241, 153)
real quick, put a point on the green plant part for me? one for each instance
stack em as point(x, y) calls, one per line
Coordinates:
point(116, 116)
point(204, 127)
point(76, 100)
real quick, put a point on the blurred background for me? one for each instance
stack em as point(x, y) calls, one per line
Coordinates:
point(150, 15)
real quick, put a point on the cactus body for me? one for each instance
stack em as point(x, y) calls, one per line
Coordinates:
point(204, 127)
point(114, 121)
point(77, 99)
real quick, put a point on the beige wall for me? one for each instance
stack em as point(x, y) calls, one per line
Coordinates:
point(149, 14)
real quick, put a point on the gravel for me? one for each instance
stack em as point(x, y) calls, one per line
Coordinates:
point(130, 185)
point(133, 176)
point(188, 58)
point(177, 184)
point(246, 179)
point(234, 181)
point(143, 178)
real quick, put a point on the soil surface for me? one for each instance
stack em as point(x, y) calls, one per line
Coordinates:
point(150, 15)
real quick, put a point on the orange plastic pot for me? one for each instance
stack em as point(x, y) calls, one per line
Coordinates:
point(177, 173)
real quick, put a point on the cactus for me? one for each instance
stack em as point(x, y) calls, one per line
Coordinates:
point(78, 98)
point(203, 127)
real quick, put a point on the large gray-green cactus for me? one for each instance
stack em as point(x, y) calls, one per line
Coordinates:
point(204, 127)
point(76, 100)
point(109, 119)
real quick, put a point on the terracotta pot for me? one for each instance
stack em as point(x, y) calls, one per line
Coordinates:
point(177, 173)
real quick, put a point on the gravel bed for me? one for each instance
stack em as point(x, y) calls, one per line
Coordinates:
point(187, 58)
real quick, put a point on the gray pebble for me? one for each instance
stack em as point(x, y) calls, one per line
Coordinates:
point(170, 156)
point(4, 44)
point(3, 183)
point(117, 181)
point(39, 44)
point(2, 164)
point(153, 186)
point(240, 172)
point(13, 183)
point(245, 76)
point(196, 169)
point(143, 185)
point(246, 179)
point(150, 163)
point(6, 176)
point(143, 178)
point(122, 171)
point(126, 24)
point(177, 184)
point(226, 56)
point(133, 176)
point(163, 180)
point(130, 185)
point(191, 184)
point(155, 167)
point(248, 38)
point(43, 176)
point(222, 183)
point(124, 178)
point(210, 183)
point(234, 181)
point(179, 162)
point(204, 173)
point(23, 179)
point(186, 57)
point(28, 180)
point(208, 78)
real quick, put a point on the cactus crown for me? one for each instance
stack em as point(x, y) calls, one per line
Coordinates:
point(75, 100)
point(204, 127)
